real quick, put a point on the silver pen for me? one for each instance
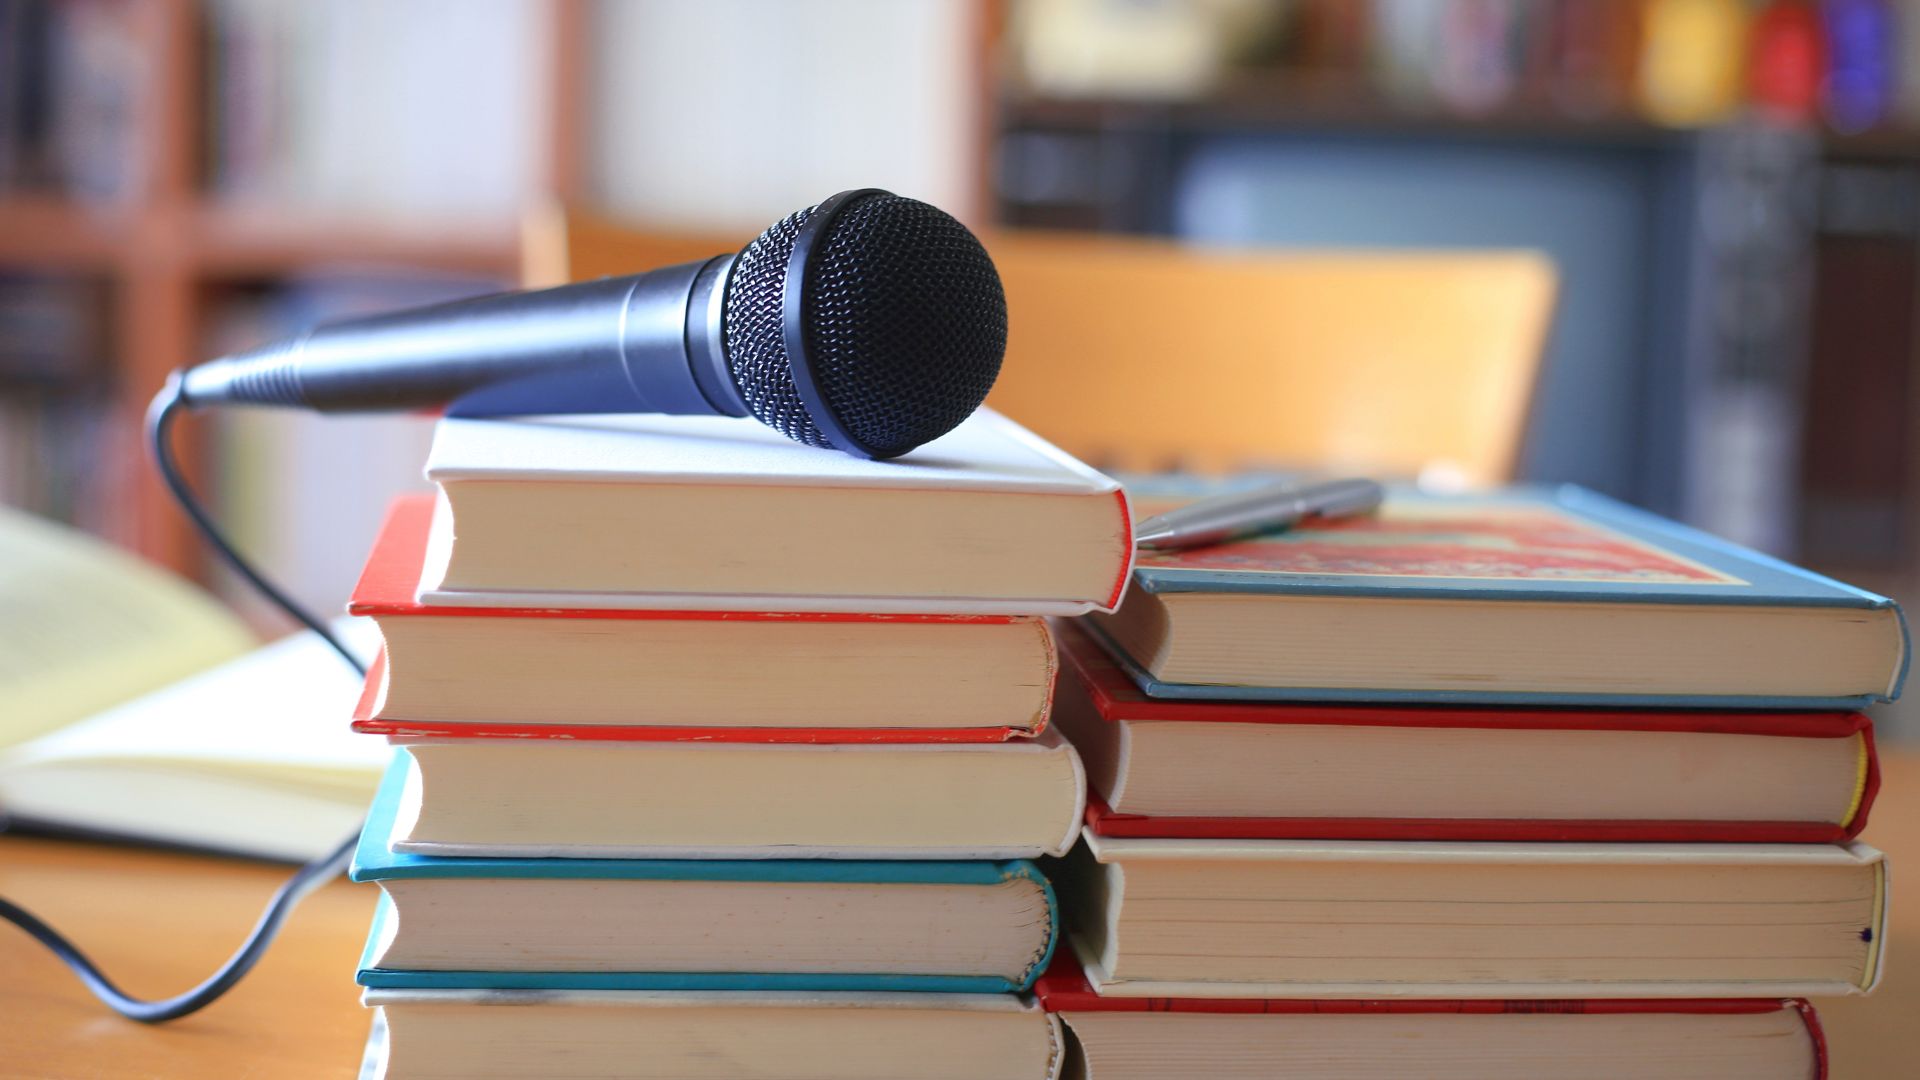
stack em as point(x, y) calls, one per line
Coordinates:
point(1227, 517)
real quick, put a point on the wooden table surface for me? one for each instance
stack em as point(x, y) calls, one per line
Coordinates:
point(158, 922)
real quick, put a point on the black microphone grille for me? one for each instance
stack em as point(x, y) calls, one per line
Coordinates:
point(869, 322)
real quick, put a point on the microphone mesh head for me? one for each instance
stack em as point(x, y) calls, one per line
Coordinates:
point(750, 332)
point(905, 326)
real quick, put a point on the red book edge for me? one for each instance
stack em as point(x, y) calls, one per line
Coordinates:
point(1869, 784)
point(392, 574)
point(1063, 987)
point(1811, 1017)
point(1126, 550)
point(1115, 697)
point(365, 722)
point(390, 582)
point(1105, 822)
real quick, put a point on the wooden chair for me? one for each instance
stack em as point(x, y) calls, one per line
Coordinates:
point(1144, 354)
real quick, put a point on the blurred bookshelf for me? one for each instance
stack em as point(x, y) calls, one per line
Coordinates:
point(1729, 186)
point(182, 177)
point(122, 212)
point(1751, 169)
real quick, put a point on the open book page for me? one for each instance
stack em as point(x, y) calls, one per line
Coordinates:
point(279, 715)
point(254, 756)
point(84, 625)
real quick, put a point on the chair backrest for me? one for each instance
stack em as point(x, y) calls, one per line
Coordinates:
point(1150, 355)
point(1146, 355)
point(558, 245)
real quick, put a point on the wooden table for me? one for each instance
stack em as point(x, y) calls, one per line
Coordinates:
point(158, 922)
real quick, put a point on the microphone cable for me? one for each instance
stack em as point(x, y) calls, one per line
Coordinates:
point(161, 416)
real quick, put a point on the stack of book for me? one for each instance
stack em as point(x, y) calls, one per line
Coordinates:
point(1524, 785)
point(719, 756)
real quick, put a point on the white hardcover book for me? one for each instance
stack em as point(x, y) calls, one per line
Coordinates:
point(643, 511)
point(582, 798)
point(715, 1035)
point(1371, 919)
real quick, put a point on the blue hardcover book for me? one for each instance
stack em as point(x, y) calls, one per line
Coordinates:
point(1546, 596)
point(691, 924)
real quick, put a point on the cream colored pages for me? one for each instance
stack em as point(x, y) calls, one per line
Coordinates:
point(254, 756)
point(1772, 1045)
point(84, 626)
point(999, 930)
point(714, 1036)
point(280, 712)
point(679, 1000)
point(689, 800)
point(1326, 919)
point(717, 513)
point(1112, 849)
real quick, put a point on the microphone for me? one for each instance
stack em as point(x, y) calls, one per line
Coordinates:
point(870, 323)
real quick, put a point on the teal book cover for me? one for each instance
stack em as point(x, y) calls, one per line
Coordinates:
point(375, 861)
point(1542, 544)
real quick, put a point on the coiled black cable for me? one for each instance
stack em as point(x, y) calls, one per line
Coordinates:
point(161, 416)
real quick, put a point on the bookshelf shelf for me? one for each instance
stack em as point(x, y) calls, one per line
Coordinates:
point(166, 245)
point(1279, 103)
point(1268, 103)
point(1807, 304)
point(226, 241)
point(51, 233)
point(229, 241)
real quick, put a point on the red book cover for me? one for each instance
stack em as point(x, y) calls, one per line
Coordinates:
point(388, 585)
point(1115, 697)
point(1063, 987)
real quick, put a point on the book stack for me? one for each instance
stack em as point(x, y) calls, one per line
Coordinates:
point(720, 756)
point(1521, 785)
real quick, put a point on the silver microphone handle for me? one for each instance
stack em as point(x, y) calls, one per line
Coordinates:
point(1217, 520)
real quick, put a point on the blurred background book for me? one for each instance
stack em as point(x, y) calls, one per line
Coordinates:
point(1729, 191)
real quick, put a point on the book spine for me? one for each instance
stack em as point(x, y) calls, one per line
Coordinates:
point(1106, 823)
point(629, 733)
point(1086, 1000)
point(1817, 1034)
point(1126, 554)
point(1116, 697)
point(412, 609)
point(682, 981)
point(1869, 783)
point(1043, 956)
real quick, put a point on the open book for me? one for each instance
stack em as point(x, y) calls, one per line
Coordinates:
point(250, 754)
point(84, 625)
